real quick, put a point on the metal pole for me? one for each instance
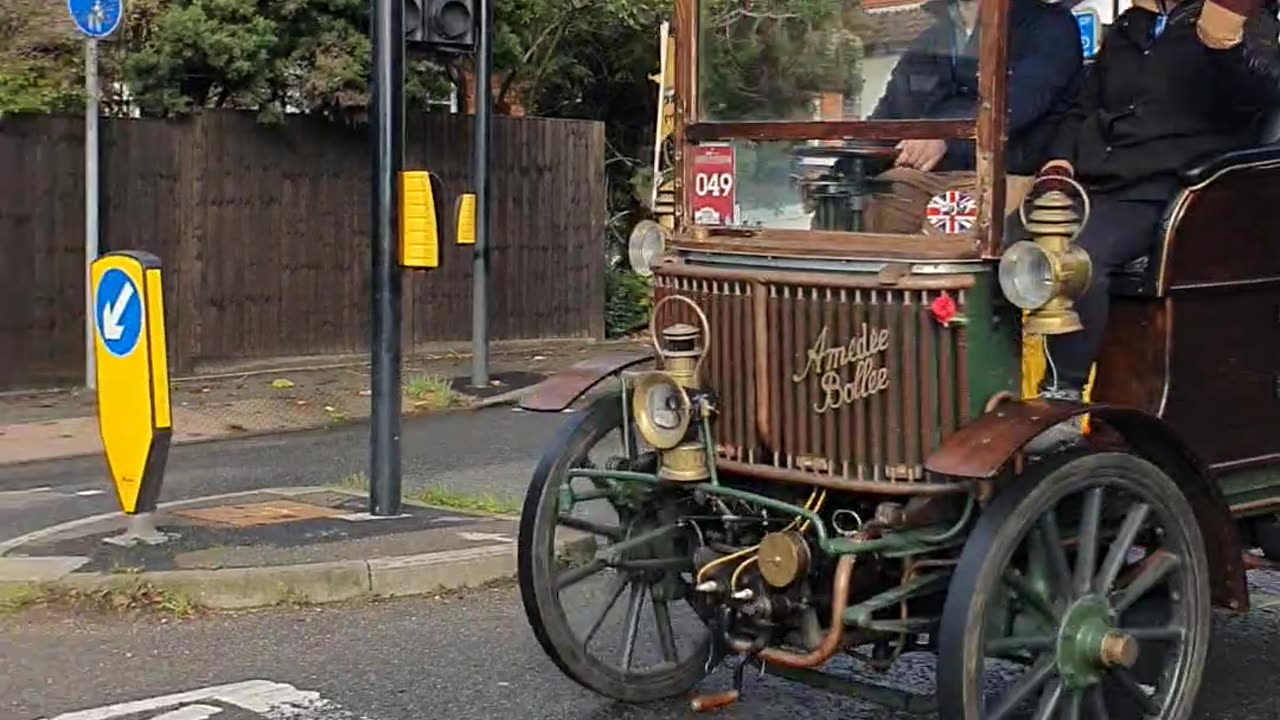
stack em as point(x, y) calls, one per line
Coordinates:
point(387, 135)
point(480, 261)
point(91, 92)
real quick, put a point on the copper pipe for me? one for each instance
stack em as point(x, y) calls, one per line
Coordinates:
point(1253, 562)
point(705, 703)
point(832, 482)
point(1255, 506)
point(835, 633)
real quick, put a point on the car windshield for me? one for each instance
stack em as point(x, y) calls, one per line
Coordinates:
point(837, 60)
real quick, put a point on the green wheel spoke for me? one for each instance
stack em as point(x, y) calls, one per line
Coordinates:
point(572, 577)
point(1098, 704)
point(1087, 550)
point(666, 635)
point(1172, 633)
point(1036, 644)
point(1051, 536)
point(611, 598)
point(634, 605)
point(581, 524)
point(1130, 685)
point(1157, 569)
point(1019, 585)
point(1074, 705)
point(1049, 702)
point(1022, 690)
point(1120, 547)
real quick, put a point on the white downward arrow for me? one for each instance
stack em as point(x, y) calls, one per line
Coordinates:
point(111, 327)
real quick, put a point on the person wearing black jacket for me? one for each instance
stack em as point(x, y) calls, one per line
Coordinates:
point(937, 78)
point(1175, 81)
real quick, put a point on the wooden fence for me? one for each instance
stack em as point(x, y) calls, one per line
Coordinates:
point(264, 235)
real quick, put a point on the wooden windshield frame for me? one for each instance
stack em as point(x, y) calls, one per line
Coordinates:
point(989, 129)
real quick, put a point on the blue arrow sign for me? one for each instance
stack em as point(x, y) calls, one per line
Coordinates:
point(96, 18)
point(1087, 20)
point(118, 313)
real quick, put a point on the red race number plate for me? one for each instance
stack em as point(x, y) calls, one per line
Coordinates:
point(714, 195)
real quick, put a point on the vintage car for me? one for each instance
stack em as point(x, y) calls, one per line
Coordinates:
point(820, 471)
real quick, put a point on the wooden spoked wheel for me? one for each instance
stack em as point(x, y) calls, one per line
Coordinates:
point(1083, 592)
point(620, 624)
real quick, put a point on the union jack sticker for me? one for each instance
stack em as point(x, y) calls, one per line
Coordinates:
point(952, 212)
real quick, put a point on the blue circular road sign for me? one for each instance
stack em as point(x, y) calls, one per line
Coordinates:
point(117, 308)
point(96, 18)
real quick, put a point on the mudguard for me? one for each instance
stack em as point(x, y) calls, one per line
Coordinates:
point(564, 388)
point(983, 448)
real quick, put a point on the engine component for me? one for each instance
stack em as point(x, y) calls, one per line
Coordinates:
point(783, 558)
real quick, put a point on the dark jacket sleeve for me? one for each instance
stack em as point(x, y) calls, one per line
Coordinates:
point(1084, 100)
point(1250, 70)
point(1050, 57)
point(896, 102)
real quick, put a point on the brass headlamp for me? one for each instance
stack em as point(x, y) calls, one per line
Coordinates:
point(1046, 274)
point(662, 404)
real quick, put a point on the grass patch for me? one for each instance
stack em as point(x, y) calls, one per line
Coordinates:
point(431, 392)
point(354, 481)
point(477, 503)
point(440, 497)
point(116, 597)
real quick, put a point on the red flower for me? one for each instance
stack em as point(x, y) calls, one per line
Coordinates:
point(944, 310)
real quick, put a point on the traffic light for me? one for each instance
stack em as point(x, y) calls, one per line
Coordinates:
point(445, 25)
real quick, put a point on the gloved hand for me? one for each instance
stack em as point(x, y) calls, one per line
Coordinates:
point(1050, 177)
point(1221, 22)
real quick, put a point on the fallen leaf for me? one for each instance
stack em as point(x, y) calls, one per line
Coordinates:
point(281, 384)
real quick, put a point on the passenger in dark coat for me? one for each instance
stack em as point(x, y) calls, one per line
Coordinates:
point(937, 78)
point(1173, 83)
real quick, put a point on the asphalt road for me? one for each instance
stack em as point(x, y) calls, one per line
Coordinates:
point(489, 451)
point(469, 657)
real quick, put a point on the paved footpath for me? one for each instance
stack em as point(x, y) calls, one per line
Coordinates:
point(468, 657)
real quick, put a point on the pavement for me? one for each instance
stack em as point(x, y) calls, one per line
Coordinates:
point(258, 520)
point(267, 547)
point(280, 396)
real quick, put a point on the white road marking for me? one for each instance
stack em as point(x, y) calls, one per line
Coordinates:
point(90, 493)
point(190, 712)
point(368, 517)
point(485, 537)
point(30, 491)
point(270, 700)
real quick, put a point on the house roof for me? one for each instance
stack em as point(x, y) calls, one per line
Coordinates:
point(896, 23)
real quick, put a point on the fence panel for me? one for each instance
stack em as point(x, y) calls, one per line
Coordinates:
point(265, 234)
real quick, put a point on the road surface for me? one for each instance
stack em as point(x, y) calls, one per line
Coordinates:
point(491, 451)
point(469, 657)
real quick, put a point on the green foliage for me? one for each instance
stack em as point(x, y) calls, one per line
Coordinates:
point(627, 301)
point(269, 55)
point(769, 60)
point(41, 60)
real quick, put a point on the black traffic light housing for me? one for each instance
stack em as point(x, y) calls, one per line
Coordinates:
point(444, 25)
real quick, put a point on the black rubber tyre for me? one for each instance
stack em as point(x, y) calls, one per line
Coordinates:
point(1092, 581)
point(538, 578)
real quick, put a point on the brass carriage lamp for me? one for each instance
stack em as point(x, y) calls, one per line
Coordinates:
point(1044, 275)
point(664, 401)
